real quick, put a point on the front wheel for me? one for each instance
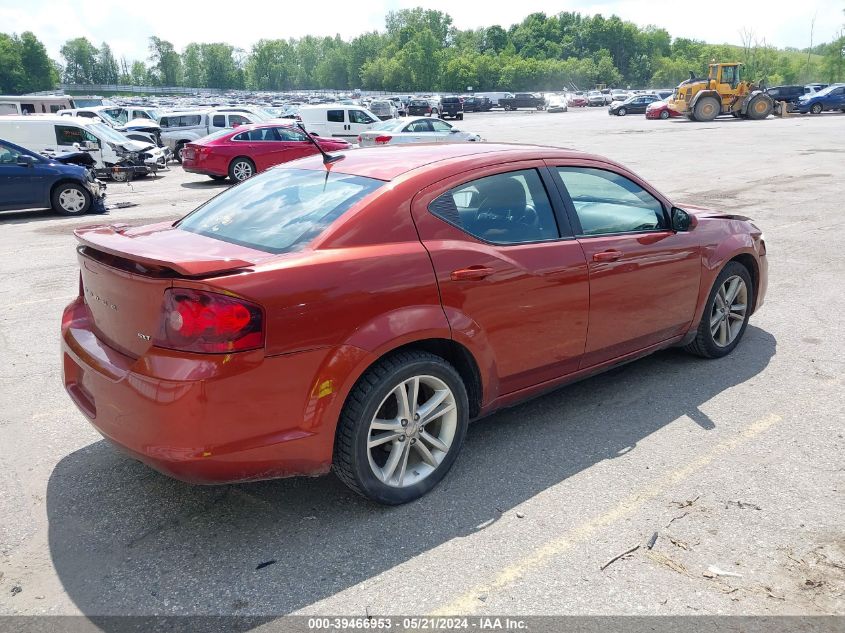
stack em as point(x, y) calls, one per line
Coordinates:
point(816, 108)
point(725, 314)
point(401, 428)
point(621, 112)
point(70, 199)
point(664, 114)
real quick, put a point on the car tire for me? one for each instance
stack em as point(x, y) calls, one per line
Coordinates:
point(716, 337)
point(433, 112)
point(816, 108)
point(69, 198)
point(216, 177)
point(240, 169)
point(177, 153)
point(664, 114)
point(378, 471)
point(622, 112)
point(460, 117)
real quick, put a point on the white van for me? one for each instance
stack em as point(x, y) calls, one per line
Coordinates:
point(32, 104)
point(179, 128)
point(59, 134)
point(335, 119)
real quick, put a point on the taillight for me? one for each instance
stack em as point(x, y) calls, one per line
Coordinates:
point(200, 321)
point(359, 138)
point(383, 140)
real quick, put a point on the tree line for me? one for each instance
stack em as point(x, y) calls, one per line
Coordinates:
point(421, 50)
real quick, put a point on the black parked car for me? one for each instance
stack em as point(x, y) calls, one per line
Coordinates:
point(477, 104)
point(421, 107)
point(635, 104)
point(451, 106)
point(790, 94)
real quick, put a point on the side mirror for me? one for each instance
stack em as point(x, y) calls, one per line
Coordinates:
point(454, 131)
point(682, 221)
point(26, 161)
point(91, 145)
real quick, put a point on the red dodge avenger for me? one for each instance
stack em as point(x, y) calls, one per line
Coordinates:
point(355, 315)
point(248, 149)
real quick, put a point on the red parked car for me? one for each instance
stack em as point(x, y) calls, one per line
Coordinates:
point(356, 315)
point(242, 152)
point(660, 110)
point(578, 101)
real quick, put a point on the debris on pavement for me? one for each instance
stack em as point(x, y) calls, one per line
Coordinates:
point(742, 505)
point(716, 571)
point(16, 590)
point(652, 541)
point(266, 564)
point(617, 557)
point(520, 515)
point(685, 504)
point(676, 518)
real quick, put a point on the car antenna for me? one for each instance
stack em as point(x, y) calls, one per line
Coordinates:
point(328, 159)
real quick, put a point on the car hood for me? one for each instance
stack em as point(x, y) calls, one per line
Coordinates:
point(140, 124)
point(704, 212)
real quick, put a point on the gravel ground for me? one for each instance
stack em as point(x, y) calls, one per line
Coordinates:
point(737, 464)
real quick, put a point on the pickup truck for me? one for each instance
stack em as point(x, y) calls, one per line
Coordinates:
point(523, 100)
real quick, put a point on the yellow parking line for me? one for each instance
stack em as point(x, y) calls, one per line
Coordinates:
point(467, 603)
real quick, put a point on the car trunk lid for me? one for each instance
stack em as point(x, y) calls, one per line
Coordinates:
point(125, 272)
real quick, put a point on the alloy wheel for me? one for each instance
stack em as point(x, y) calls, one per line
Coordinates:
point(412, 431)
point(72, 200)
point(242, 170)
point(729, 310)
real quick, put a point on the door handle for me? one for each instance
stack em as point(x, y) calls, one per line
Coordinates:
point(473, 273)
point(607, 256)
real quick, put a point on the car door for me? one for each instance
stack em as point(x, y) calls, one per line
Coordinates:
point(17, 182)
point(512, 279)
point(263, 146)
point(836, 99)
point(419, 131)
point(644, 277)
point(440, 131)
point(359, 121)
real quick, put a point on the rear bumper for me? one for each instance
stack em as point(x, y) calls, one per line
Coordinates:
point(201, 418)
point(203, 168)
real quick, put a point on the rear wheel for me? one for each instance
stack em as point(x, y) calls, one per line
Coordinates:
point(707, 109)
point(725, 314)
point(241, 169)
point(759, 107)
point(70, 199)
point(177, 154)
point(401, 428)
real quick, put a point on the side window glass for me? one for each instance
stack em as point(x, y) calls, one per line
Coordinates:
point(288, 134)
point(422, 125)
point(237, 119)
point(359, 116)
point(67, 135)
point(509, 208)
point(335, 116)
point(607, 202)
point(8, 156)
point(219, 121)
point(440, 126)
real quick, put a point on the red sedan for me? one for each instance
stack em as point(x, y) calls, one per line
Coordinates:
point(660, 110)
point(249, 149)
point(356, 314)
point(577, 101)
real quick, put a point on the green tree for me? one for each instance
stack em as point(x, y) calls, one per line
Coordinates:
point(80, 57)
point(106, 70)
point(166, 67)
point(39, 71)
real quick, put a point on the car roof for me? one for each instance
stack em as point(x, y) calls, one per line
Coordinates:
point(48, 118)
point(391, 161)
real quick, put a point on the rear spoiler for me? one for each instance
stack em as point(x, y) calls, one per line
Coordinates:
point(187, 254)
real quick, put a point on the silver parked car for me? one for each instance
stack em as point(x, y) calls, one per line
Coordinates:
point(417, 129)
point(384, 109)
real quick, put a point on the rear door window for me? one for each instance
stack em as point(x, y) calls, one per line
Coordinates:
point(508, 208)
point(279, 211)
point(219, 120)
point(335, 116)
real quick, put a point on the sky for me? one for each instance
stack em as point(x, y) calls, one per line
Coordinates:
point(780, 22)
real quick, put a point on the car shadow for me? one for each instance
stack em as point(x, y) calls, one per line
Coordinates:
point(127, 540)
point(207, 184)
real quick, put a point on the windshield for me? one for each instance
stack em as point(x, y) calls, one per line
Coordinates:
point(104, 131)
point(279, 211)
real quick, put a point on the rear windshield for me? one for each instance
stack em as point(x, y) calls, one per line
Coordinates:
point(279, 211)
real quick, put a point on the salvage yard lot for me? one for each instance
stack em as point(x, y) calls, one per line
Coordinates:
point(737, 463)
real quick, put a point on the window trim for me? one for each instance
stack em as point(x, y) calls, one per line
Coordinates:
point(572, 214)
point(547, 186)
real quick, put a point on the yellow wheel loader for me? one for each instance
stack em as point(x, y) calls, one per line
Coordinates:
point(722, 92)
